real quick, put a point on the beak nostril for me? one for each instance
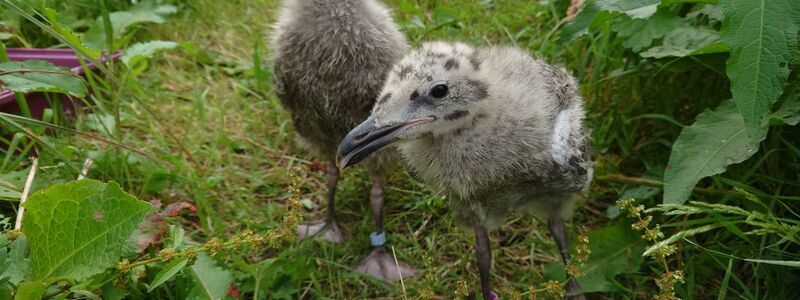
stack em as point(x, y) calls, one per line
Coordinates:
point(361, 136)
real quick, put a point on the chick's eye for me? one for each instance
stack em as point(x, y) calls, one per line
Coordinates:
point(439, 91)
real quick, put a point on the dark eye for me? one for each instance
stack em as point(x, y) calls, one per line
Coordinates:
point(439, 91)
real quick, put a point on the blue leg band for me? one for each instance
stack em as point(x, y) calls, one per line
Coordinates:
point(377, 239)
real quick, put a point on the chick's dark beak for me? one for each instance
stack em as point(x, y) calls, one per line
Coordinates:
point(366, 138)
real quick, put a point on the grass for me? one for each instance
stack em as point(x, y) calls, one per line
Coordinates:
point(242, 153)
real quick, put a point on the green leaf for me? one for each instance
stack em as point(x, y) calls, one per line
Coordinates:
point(167, 272)
point(3, 255)
point(716, 139)
point(8, 193)
point(18, 264)
point(762, 35)
point(11, 184)
point(723, 289)
point(211, 281)
point(684, 41)
point(112, 292)
point(30, 291)
point(141, 13)
point(588, 18)
point(640, 33)
point(637, 9)
point(70, 37)
point(31, 76)
point(789, 111)
point(616, 249)
point(141, 51)
point(96, 218)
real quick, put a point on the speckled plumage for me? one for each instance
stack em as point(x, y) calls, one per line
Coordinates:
point(330, 59)
point(495, 129)
point(507, 138)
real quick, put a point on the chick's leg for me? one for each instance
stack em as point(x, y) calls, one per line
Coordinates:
point(483, 254)
point(326, 228)
point(380, 263)
point(556, 225)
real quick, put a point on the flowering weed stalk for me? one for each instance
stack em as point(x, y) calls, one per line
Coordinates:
point(669, 278)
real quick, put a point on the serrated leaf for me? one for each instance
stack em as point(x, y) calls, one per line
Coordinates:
point(640, 33)
point(18, 264)
point(717, 139)
point(637, 9)
point(5, 224)
point(96, 218)
point(762, 35)
point(684, 41)
point(712, 12)
point(66, 33)
point(167, 272)
point(30, 291)
point(141, 51)
point(211, 281)
point(121, 21)
point(616, 249)
point(32, 76)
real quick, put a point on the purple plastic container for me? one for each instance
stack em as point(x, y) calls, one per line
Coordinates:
point(37, 102)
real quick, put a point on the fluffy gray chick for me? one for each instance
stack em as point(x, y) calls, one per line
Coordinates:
point(330, 58)
point(493, 128)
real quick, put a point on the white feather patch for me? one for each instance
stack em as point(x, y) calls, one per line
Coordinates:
point(560, 138)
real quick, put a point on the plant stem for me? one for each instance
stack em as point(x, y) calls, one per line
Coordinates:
point(25, 191)
point(656, 183)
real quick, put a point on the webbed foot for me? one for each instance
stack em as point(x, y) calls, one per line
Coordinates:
point(381, 264)
point(325, 230)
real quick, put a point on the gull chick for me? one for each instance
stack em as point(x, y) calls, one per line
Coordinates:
point(495, 129)
point(330, 58)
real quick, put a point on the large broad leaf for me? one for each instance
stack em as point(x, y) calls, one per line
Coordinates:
point(145, 50)
point(640, 33)
point(762, 35)
point(637, 9)
point(79, 229)
point(17, 264)
point(39, 76)
point(211, 281)
point(121, 21)
point(686, 40)
point(716, 139)
point(616, 249)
